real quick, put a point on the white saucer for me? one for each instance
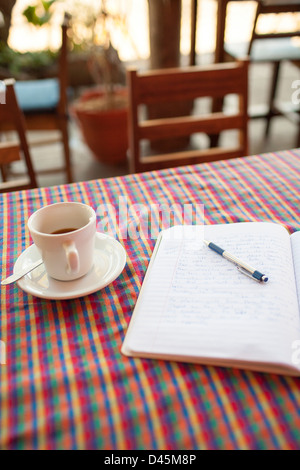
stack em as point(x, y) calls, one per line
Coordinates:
point(110, 259)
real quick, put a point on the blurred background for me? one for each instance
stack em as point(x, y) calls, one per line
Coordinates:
point(25, 37)
point(32, 38)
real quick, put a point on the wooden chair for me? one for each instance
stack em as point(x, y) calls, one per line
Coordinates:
point(185, 84)
point(10, 150)
point(271, 47)
point(45, 104)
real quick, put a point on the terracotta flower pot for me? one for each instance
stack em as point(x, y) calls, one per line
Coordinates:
point(104, 129)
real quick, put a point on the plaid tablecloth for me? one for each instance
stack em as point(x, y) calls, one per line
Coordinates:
point(66, 385)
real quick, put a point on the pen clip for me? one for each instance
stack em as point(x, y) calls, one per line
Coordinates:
point(243, 271)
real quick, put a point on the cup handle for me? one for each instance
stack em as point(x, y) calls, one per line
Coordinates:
point(72, 257)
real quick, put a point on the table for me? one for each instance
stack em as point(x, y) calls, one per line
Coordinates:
point(65, 384)
point(220, 53)
point(220, 29)
point(222, 5)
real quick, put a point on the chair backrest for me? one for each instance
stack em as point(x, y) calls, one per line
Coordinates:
point(265, 7)
point(179, 85)
point(11, 114)
point(44, 103)
point(43, 100)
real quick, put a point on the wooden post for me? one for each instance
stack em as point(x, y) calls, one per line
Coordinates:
point(164, 35)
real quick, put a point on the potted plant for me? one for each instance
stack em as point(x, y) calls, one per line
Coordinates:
point(102, 110)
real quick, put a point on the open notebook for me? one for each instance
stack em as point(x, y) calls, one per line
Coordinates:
point(195, 306)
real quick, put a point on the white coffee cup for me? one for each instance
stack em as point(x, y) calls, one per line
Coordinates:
point(64, 233)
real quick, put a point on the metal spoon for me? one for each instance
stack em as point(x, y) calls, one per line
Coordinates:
point(16, 276)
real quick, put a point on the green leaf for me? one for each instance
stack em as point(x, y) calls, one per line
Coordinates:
point(36, 19)
point(30, 14)
point(47, 4)
point(45, 18)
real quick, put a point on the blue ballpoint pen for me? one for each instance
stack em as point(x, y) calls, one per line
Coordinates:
point(242, 267)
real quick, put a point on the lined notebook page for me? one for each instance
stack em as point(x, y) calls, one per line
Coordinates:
point(295, 242)
point(195, 304)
